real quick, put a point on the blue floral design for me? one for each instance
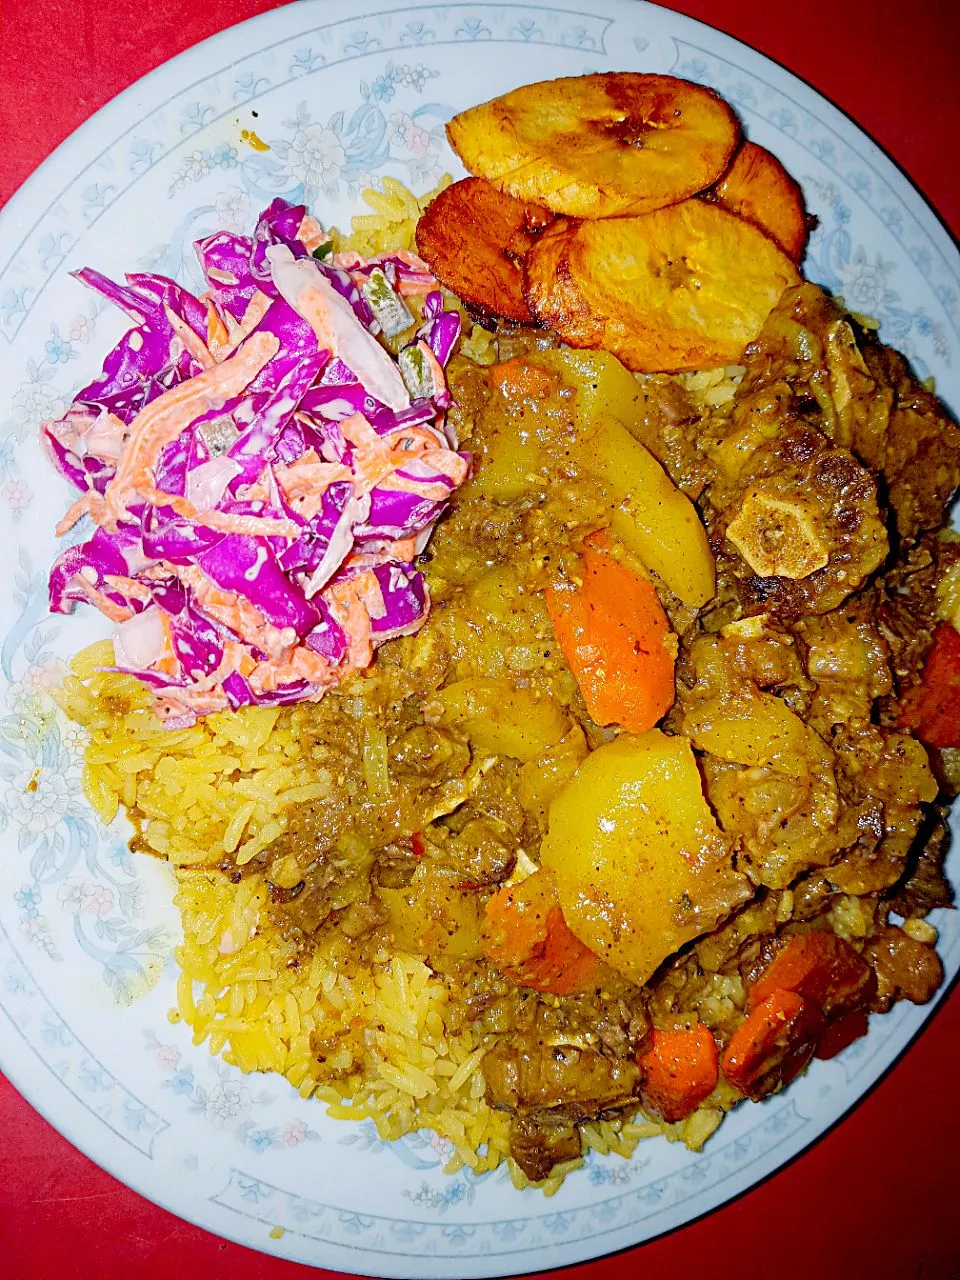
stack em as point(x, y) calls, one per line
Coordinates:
point(305, 61)
point(143, 155)
point(194, 116)
point(526, 31)
point(473, 29)
point(54, 248)
point(181, 1083)
point(28, 900)
point(67, 864)
point(59, 349)
point(248, 86)
point(96, 198)
point(360, 43)
point(316, 157)
point(417, 33)
point(382, 89)
point(255, 1191)
point(786, 121)
point(14, 304)
point(581, 38)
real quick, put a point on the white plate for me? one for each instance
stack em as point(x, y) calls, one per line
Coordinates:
point(342, 96)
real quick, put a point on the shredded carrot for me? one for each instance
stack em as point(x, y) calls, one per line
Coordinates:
point(821, 967)
point(932, 709)
point(527, 938)
point(218, 335)
point(679, 1071)
point(773, 1044)
point(616, 639)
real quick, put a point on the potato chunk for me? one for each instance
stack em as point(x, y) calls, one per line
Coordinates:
point(682, 288)
point(640, 864)
point(433, 916)
point(600, 145)
point(652, 517)
point(501, 719)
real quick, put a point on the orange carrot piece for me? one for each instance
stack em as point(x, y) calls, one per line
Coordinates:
point(680, 1070)
point(822, 968)
point(527, 938)
point(614, 635)
point(518, 378)
point(515, 921)
point(773, 1044)
point(932, 709)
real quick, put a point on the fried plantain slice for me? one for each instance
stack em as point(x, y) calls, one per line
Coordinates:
point(599, 145)
point(474, 239)
point(686, 287)
point(758, 188)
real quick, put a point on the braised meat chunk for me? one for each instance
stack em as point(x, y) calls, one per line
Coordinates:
point(551, 1087)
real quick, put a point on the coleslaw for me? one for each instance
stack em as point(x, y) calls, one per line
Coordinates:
point(261, 470)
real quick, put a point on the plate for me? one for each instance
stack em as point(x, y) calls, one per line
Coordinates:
point(342, 96)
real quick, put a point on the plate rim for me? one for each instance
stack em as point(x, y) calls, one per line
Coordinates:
point(62, 159)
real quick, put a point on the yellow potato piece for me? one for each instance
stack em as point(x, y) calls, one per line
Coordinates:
point(542, 779)
point(757, 730)
point(682, 288)
point(655, 519)
point(502, 720)
point(600, 145)
point(784, 801)
point(652, 517)
point(433, 917)
point(640, 864)
point(604, 387)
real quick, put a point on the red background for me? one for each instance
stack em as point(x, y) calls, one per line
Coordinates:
point(876, 1196)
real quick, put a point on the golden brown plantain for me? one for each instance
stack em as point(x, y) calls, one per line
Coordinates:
point(758, 188)
point(474, 239)
point(599, 145)
point(682, 288)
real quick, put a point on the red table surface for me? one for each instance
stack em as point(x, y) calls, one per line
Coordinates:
point(875, 1197)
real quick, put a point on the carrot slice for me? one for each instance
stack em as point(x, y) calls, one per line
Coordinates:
point(615, 637)
point(680, 1070)
point(773, 1044)
point(518, 379)
point(932, 710)
point(822, 968)
point(527, 938)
